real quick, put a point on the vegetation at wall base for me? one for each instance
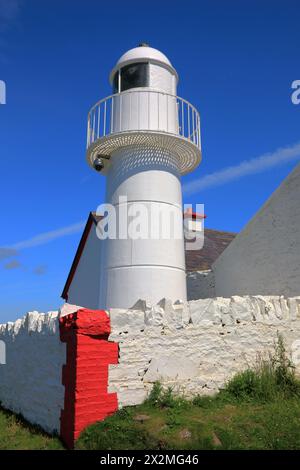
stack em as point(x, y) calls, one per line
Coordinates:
point(270, 380)
point(258, 408)
point(18, 434)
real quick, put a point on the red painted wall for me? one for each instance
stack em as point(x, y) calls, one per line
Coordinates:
point(85, 374)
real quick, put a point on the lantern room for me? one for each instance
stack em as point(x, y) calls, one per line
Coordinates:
point(144, 67)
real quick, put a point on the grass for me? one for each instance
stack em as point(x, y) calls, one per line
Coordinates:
point(17, 434)
point(258, 408)
point(216, 425)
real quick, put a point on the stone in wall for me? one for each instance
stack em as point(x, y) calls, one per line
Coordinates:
point(68, 308)
point(195, 347)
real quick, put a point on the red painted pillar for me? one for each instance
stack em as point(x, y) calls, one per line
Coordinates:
point(85, 374)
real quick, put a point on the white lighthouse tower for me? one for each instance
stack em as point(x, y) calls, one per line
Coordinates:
point(143, 138)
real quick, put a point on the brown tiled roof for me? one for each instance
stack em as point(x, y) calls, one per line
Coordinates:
point(215, 243)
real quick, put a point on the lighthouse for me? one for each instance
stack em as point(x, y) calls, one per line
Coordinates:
point(142, 139)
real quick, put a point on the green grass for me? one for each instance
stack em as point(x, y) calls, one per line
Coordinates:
point(259, 408)
point(17, 434)
point(216, 425)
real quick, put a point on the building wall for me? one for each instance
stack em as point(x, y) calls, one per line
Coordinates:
point(84, 289)
point(30, 381)
point(264, 258)
point(197, 346)
point(200, 284)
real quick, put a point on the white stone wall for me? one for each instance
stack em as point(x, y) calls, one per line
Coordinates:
point(195, 347)
point(264, 258)
point(200, 284)
point(30, 381)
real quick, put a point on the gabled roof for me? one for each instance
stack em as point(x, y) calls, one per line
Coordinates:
point(215, 242)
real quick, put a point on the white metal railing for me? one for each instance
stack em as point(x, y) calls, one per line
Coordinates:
point(143, 110)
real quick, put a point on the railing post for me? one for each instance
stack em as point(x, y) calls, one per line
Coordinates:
point(120, 117)
point(177, 124)
point(182, 119)
point(104, 120)
point(130, 110)
point(94, 120)
point(199, 133)
point(112, 114)
point(167, 97)
point(158, 111)
point(148, 109)
point(139, 122)
point(98, 130)
point(88, 132)
point(189, 126)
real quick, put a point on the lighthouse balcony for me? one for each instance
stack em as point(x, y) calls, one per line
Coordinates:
point(144, 117)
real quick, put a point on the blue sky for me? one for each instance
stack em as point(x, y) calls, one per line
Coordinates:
point(236, 61)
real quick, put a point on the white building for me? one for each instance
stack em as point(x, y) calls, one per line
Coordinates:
point(264, 258)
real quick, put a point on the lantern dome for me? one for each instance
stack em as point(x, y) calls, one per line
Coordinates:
point(143, 54)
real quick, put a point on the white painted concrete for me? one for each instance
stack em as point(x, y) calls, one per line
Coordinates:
point(150, 267)
point(264, 258)
point(30, 381)
point(84, 288)
point(195, 347)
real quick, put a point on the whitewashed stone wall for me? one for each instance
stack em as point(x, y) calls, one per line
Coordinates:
point(200, 284)
point(264, 258)
point(195, 347)
point(30, 381)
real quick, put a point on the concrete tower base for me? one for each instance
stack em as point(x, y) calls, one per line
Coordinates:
point(146, 260)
